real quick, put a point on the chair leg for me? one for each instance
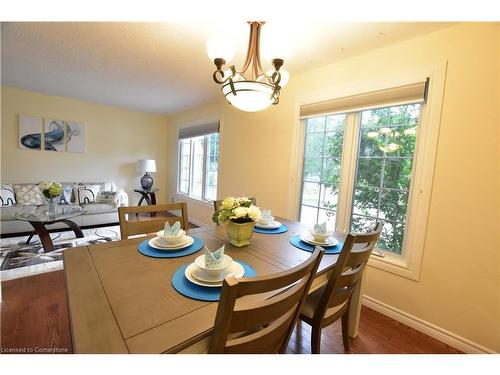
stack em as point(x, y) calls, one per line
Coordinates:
point(315, 340)
point(345, 330)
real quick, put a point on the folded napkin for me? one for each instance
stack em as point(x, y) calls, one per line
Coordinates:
point(172, 231)
point(320, 228)
point(266, 214)
point(212, 260)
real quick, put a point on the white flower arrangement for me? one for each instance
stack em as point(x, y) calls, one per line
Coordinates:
point(238, 210)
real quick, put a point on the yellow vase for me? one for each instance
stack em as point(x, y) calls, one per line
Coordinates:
point(239, 234)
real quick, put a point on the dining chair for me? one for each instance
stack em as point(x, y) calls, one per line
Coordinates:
point(217, 203)
point(331, 301)
point(131, 224)
point(258, 315)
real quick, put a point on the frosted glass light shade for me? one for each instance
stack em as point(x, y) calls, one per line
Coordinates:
point(250, 96)
point(144, 166)
point(220, 48)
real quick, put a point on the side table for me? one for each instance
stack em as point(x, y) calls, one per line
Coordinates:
point(147, 195)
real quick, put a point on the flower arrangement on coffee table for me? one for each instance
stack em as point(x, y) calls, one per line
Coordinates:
point(240, 215)
point(50, 190)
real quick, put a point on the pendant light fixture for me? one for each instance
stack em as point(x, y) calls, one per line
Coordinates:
point(249, 89)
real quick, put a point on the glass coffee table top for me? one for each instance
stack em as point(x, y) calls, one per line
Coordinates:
point(40, 214)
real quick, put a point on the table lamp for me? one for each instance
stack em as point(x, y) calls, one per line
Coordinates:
point(146, 166)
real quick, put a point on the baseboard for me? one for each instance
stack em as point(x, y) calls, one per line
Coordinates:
point(423, 326)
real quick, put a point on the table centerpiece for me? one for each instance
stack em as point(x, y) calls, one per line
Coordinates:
point(239, 215)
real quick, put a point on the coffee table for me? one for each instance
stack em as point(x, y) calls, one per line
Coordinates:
point(39, 219)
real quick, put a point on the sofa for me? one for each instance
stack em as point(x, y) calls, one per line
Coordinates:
point(100, 200)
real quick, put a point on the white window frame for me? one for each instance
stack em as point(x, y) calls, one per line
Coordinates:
point(409, 263)
point(203, 199)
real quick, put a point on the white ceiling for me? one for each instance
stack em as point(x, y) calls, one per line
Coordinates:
point(163, 67)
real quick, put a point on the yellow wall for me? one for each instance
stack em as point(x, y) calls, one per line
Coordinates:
point(459, 289)
point(115, 139)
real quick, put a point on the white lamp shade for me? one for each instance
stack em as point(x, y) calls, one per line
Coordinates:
point(144, 166)
point(219, 47)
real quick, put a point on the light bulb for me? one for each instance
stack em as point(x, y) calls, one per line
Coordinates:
point(285, 76)
point(220, 47)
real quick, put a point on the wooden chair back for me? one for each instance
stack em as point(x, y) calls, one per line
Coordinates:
point(348, 270)
point(258, 315)
point(131, 225)
point(217, 203)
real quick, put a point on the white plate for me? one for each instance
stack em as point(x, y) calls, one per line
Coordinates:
point(330, 241)
point(236, 269)
point(273, 225)
point(153, 243)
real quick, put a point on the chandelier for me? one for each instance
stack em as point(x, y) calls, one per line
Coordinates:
point(254, 92)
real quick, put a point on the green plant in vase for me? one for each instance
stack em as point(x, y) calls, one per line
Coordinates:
point(239, 215)
point(51, 190)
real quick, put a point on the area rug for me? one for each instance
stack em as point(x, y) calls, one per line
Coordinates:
point(18, 259)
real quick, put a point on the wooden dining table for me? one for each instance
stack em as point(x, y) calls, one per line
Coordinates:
point(121, 301)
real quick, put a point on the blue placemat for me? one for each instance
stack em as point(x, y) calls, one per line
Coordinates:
point(278, 230)
point(298, 243)
point(149, 251)
point(198, 292)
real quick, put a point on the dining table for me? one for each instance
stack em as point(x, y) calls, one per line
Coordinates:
point(121, 301)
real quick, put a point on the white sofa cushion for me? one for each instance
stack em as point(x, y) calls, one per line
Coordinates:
point(7, 213)
point(7, 195)
point(85, 194)
point(107, 196)
point(98, 208)
point(29, 195)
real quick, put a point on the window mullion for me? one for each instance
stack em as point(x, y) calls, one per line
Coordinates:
point(179, 165)
point(204, 175)
point(191, 166)
point(321, 176)
point(348, 172)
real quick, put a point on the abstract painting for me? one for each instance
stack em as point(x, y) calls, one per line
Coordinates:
point(30, 137)
point(75, 136)
point(54, 135)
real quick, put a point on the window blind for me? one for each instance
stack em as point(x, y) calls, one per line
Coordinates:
point(199, 130)
point(411, 93)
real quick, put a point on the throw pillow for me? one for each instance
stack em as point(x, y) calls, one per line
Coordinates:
point(108, 197)
point(66, 194)
point(85, 194)
point(29, 195)
point(7, 196)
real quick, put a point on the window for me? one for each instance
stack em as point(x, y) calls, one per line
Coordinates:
point(384, 147)
point(321, 172)
point(384, 167)
point(388, 153)
point(198, 162)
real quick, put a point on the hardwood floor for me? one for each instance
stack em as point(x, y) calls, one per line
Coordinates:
point(34, 318)
point(35, 314)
